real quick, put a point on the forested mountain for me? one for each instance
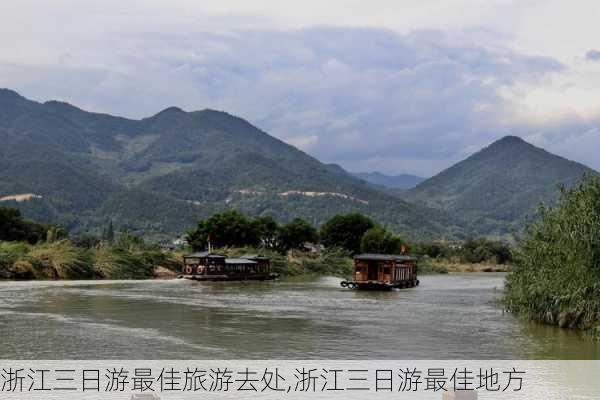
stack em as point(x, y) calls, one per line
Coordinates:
point(496, 188)
point(160, 174)
point(402, 181)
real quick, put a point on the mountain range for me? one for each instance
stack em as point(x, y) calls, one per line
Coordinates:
point(402, 181)
point(158, 175)
point(496, 189)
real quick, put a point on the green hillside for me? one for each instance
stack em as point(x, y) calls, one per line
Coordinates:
point(158, 175)
point(496, 188)
point(402, 181)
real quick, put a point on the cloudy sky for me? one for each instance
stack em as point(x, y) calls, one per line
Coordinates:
point(391, 85)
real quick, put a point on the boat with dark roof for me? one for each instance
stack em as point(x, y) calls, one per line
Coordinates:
point(383, 271)
point(208, 266)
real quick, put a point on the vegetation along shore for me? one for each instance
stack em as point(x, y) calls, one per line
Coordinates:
point(29, 250)
point(556, 277)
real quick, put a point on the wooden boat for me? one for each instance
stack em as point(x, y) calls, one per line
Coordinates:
point(207, 266)
point(383, 271)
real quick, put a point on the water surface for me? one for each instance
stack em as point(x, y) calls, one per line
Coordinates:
point(453, 316)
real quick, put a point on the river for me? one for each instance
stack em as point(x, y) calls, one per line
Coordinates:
point(454, 316)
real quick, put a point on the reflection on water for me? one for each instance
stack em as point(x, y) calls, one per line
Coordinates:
point(452, 316)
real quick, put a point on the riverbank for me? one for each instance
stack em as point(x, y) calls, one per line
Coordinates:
point(443, 266)
point(62, 260)
point(556, 279)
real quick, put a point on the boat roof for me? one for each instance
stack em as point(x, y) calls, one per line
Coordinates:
point(254, 257)
point(384, 257)
point(202, 254)
point(239, 261)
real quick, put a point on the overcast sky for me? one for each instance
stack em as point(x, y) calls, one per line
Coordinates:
point(390, 85)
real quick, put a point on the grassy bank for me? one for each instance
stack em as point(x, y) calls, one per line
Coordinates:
point(134, 260)
point(63, 260)
point(445, 266)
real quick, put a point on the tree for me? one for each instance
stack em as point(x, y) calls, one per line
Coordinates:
point(229, 228)
point(55, 233)
point(295, 234)
point(379, 240)
point(14, 228)
point(108, 234)
point(432, 250)
point(346, 231)
point(502, 252)
point(268, 231)
point(480, 250)
point(11, 224)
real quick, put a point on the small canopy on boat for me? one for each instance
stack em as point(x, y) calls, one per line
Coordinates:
point(384, 257)
point(204, 254)
point(239, 261)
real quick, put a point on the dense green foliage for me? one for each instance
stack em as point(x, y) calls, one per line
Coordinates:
point(229, 228)
point(295, 234)
point(346, 231)
point(352, 232)
point(495, 189)
point(381, 241)
point(480, 250)
point(233, 229)
point(471, 251)
point(556, 278)
point(14, 228)
point(268, 231)
point(153, 176)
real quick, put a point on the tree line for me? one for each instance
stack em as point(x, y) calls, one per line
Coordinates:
point(471, 251)
point(353, 232)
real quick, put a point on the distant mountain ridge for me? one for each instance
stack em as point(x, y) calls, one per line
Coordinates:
point(496, 188)
point(160, 174)
point(401, 181)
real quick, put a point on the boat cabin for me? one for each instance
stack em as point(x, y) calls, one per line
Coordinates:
point(212, 267)
point(383, 271)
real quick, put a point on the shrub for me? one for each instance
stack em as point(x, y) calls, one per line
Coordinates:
point(60, 260)
point(116, 263)
point(346, 231)
point(295, 234)
point(557, 270)
point(379, 240)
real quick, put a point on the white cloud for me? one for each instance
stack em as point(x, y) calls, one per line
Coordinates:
point(426, 84)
